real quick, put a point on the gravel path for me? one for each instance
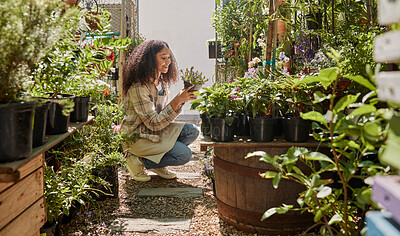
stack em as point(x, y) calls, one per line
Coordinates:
point(202, 211)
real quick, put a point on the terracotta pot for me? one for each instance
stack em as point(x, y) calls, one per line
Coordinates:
point(281, 28)
point(71, 3)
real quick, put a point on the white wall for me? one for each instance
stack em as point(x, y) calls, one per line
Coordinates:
point(186, 26)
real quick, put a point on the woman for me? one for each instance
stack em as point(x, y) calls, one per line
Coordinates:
point(151, 67)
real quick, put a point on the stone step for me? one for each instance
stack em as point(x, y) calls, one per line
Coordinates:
point(170, 192)
point(158, 226)
point(180, 175)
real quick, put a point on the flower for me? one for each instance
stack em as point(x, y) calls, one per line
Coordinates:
point(207, 161)
point(192, 76)
point(116, 128)
point(283, 57)
point(251, 64)
point(106, 92)
point(256, 60)
point(261, 42)
point(233, 97)
point(251, 73)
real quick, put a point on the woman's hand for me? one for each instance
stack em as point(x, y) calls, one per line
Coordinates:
point(183, 96)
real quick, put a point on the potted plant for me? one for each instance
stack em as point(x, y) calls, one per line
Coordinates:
point(298, 99)
point(191, 77)
point(262, 104)
point(27, 30)
point(222, 108)
point(243, 88)
point(214, 48)
point(54, 72)
point(201, 105)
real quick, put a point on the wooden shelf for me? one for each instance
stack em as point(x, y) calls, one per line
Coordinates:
point(9, 171)
point(22, 200)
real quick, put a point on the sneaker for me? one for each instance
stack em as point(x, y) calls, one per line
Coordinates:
point(136, 169)
point(164, 173)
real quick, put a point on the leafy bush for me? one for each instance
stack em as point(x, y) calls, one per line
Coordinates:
point(27, 30)
point(69, 176)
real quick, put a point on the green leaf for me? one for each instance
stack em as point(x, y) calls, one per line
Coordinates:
point(365, 109)
point(315, 180)
point(283, 209)
point(324, 192)
point(334, 219)
point(256, 154)
point(328, 76)
point(268, 213)
point(344, 102)
point(315, 116)
point(302, 178)
point(269, 174)
point(318, 215)
point(320, 97)
point(372, 129)
point(276, 180)
point(308, 80)
point(353, 144)
point(361, 80)
point(317, 156)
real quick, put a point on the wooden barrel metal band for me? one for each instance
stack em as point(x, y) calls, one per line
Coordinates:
point(276, 224)
point(237, 169)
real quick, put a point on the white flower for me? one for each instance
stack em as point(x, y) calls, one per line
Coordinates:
point(251, 64)
point(256, 60)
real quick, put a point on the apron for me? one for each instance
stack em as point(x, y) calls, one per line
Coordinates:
point(154, 151)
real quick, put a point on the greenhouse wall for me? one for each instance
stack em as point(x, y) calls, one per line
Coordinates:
point(186, 26)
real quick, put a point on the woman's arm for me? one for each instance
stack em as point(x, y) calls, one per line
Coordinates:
point(181, 98)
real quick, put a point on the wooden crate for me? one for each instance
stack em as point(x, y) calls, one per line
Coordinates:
point(22, 201)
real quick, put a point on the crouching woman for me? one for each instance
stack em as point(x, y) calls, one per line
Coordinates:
point(149, 70)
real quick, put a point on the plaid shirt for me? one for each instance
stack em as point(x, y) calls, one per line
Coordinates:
point(141, 114)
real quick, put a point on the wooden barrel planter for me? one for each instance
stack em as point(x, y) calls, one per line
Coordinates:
point(243, 196)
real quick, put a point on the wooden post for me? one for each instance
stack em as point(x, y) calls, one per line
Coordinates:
point(270, 36)
point(121, 54)
point(333, 16)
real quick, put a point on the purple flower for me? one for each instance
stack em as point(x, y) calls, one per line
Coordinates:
point(233, 97)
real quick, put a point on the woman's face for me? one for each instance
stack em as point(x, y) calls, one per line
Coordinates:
point(163, 59)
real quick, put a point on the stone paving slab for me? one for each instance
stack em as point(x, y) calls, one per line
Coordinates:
point(170, 192)
point(180, 175)
point(149, 225)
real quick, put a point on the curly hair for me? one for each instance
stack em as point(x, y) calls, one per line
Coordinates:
point(141, 66)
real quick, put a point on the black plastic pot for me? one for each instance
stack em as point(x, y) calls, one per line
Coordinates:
point(313, 22)
point(220, 130)
point(243, 126)
point(39, 124)
point(278, 128)
point(16, 130)
point(262, 129)
point(187, 85)
point(57, 123)
point(205, 124)
point(81, 109)
point(212, 51)
point(296, 130)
